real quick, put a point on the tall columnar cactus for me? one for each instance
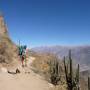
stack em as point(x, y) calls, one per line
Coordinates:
point(54, 71)
point(71, 78)
point(77, 78)
point(88, 83)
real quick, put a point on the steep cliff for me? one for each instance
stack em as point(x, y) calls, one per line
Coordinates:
point(8, 50)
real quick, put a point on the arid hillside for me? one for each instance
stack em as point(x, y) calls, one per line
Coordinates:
point(8, 50)
point(10, 61)
point(42, 66)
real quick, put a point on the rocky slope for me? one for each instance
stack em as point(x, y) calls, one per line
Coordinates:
point(8, 49)
point(27, 79)
point(41, 67)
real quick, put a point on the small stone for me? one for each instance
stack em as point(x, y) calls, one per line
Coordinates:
point(17, 70)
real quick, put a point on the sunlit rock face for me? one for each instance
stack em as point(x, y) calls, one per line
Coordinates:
point(8, 50)
point(3, 28)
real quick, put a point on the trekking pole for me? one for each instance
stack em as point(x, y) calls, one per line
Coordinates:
point(19, 42)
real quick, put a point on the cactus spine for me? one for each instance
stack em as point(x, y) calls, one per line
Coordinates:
point(72, 81)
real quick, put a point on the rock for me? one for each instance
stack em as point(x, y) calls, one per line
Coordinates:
point(17, 71)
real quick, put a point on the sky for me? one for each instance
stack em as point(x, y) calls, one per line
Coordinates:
point(47, 22)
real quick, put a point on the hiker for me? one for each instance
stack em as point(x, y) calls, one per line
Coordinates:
point(25, 55)
point(22, 54)
point(22, 60)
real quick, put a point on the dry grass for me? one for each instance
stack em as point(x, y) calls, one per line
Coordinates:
point(42, 67)
point(8, 51)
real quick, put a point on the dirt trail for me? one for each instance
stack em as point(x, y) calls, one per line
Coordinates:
point(23, 81)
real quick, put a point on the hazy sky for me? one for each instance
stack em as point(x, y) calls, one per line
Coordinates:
point(48, 22)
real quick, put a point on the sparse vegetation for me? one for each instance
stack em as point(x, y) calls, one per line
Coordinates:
point(54, 70)
point(48, 65)
point(8, 50)
point(72, 78)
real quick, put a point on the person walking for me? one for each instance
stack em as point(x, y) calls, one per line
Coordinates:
point(22, 54)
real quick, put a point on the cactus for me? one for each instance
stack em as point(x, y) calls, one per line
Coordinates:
point(77, 78)
point(71, 79)
point(88, 83)
point(54, 71)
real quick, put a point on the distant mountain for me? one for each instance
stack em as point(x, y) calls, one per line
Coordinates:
point(80, 54)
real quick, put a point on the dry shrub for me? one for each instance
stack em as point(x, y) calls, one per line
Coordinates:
point(8, 51)
point(44, 62)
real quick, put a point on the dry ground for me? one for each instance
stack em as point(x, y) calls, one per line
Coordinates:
point(26, 80)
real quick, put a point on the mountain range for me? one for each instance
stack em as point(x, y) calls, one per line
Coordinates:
point(80, 54)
